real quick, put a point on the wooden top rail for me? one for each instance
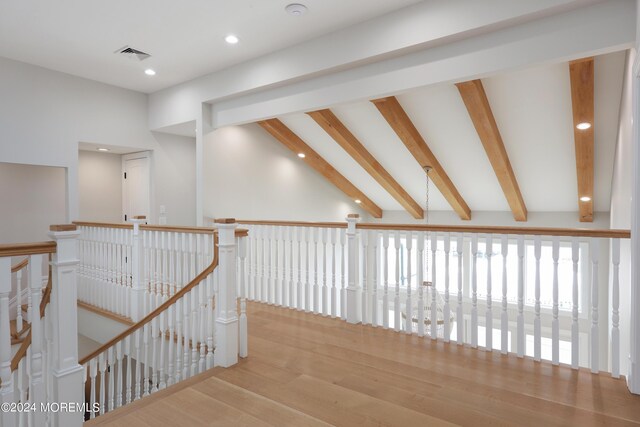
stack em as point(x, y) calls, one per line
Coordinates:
point(527, 231)
point(19, 266)
point(295, 223)
point(170, 228)
point(22, 249)
point(149, 317)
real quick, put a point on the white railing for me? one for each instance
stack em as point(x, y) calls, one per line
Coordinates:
point(532, 292)
point(131, 273)
point(184, 285)
point(47, 338)
point(183, 299)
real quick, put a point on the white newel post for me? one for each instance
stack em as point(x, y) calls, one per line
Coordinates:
point(633, 379)
point(137, 272)
point(227, 322)
point(6, 389)
point(354, 309)
point(67, 373)
point(36, 388)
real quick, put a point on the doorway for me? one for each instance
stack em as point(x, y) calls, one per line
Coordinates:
point(136, 185)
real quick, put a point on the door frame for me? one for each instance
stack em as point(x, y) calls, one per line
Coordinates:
point(134, 156)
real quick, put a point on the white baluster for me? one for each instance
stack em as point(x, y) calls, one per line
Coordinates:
point(343, 289)
point(103, 380)
point(128, 351)
point(615, 309)
point(364, 241)
point(375, 319)
point(307, 284)
point(118, 371)
point(139, 376)
point(278, 276)
point(504, 316)
point(299, 231)
point(243, 339)
point(145, 339)
point(111, 370)
point(275, 284)
point(334, 289)
point(266, 297)
point(211, 321)
point(291, 303)
point(409, 302)
point(520, 319)
point(385, 295)
point(6, 387)
point(325, 288)
point(162, 383)
point(396, 298)
point(474, 290)
point(489, 313)
point(179, 339)
point(434, 289)
point(575, 328)
point(316, 283)
point(537, 336)
point(19, 301)
point(555, 325)
point(595, 348)
point(447, 307)
point(459, 308)
point(420, 280)
point(93, 371)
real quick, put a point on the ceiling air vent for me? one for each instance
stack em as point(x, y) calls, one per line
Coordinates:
point(132, 53)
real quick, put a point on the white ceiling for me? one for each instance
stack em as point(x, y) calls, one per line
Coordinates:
point(185, 38)
point(532, 108)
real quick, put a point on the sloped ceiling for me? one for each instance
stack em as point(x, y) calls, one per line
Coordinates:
point(532, 108)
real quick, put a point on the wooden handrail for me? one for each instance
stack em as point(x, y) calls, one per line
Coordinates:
point(19, 266)
point(46, 298)
point(170, 228)
point(199, 278)
point(528, 231)
point(23, 249)
point(295, 223)
point(541, 231)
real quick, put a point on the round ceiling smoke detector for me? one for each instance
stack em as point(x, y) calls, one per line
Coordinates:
point(296, 9)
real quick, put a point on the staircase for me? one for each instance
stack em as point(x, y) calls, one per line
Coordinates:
point(176, 284)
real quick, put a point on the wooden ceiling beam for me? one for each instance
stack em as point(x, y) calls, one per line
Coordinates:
point(475, 99)
point(400, 122)
point(582, 76)
point(289, 139)
point(339, 132)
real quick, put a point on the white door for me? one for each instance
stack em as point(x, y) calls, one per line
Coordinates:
point(136, 187)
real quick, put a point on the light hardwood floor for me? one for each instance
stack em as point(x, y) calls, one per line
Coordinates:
point(306, 370)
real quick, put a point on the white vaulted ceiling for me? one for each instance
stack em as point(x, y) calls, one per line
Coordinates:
point(185, 38)
point(532, 108)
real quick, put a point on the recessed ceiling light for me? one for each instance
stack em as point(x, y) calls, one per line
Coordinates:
point(358, 201)
point(583, 125)
point(231, 39)
point(103, 149)
point(585, 199)
point(296, 9)
point(301, 155)
point(149, 72)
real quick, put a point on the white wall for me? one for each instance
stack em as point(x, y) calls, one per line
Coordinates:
point(45, 114)
point(250, 175)
point(100, 186)
point(31, 199)
point(621, 206)
point(501, 218)
point(174, 164)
